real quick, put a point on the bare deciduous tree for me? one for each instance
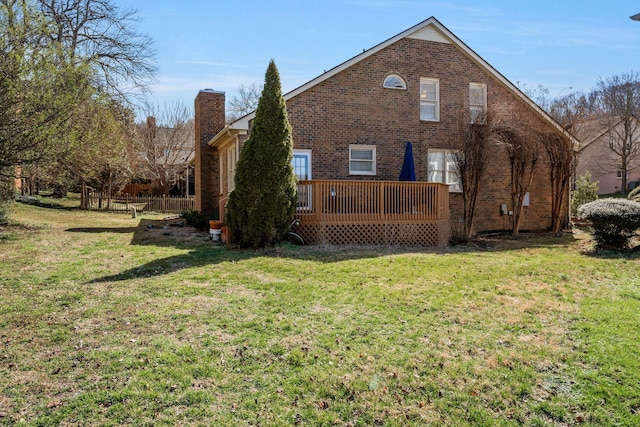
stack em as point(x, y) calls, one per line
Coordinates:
point(244, 102)
point(568, 111)
point(102, 34)
point(471, 140)
point(517, 137)
point(538, 94)
point(619, 100)
point(562, 166)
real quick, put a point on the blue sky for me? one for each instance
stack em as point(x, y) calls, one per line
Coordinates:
point(562, 45)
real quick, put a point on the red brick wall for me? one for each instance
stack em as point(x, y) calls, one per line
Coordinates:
point(209, 120)
point(352, 107)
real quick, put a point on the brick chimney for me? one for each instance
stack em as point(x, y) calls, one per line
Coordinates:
point(209, 120)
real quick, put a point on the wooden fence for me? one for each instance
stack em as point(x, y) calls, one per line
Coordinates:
point(124, 203)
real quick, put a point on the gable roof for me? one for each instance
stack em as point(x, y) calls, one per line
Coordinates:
point(591, 130)
point(432, 30)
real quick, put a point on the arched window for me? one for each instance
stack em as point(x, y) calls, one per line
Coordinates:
point(394, 81)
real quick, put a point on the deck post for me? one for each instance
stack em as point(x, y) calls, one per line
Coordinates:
point(316, 208)
point(381, 213)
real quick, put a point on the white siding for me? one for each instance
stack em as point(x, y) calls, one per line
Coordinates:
point(429, 33)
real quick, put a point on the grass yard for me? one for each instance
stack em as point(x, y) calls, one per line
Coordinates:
point(109, 320)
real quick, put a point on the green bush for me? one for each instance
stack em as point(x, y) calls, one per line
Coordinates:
point(585, 192)
point(198, 220)
point(634, 195)
point(614, 221)
point(37, 201)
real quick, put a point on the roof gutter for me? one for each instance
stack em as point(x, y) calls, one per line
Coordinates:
point(225, 135)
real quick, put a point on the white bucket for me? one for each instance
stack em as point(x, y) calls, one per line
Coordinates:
point(215, 234)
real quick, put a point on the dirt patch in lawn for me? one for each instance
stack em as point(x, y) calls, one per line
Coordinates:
point(507, 241)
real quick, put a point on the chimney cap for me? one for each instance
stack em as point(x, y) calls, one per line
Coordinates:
point(212, 91)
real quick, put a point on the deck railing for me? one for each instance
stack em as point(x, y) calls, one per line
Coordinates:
point(337, 201)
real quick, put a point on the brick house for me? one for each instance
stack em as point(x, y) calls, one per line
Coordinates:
point(350, 126)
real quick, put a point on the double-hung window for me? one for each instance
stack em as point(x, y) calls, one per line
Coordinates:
point(478, 103)
point(362, 160)
point(429, 99)
point(442, 168)
point(301, 163)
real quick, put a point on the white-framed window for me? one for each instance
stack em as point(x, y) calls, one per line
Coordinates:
point(429, 99)
point(442, 168)
point(362, 159)
point(301, 163)
point(394, 81)
point(232, 159)
point(619, 171)
point(478, 102)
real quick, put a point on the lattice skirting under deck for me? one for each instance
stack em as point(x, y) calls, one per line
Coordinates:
point(425, 234)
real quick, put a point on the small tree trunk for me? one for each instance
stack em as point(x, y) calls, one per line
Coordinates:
point(623, 183)
point(109, 194)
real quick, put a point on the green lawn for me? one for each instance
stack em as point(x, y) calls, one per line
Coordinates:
point(109, 320)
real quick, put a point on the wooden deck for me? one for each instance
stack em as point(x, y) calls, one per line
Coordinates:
point(373, 212)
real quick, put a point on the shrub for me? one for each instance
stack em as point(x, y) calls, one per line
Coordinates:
point(585, 192)
point(262, 205)
point(634, 195)
point(28, 200)
point(36, 201)
point(614, 221)
point(198, 220)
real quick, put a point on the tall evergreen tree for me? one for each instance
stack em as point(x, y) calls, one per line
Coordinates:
point(262, 205)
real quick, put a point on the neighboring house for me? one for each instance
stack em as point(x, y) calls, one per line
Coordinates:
point(350, 127)
point(164, 164)
point(595, 156)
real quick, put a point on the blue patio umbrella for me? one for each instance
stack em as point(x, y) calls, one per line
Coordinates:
point(408, 172)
